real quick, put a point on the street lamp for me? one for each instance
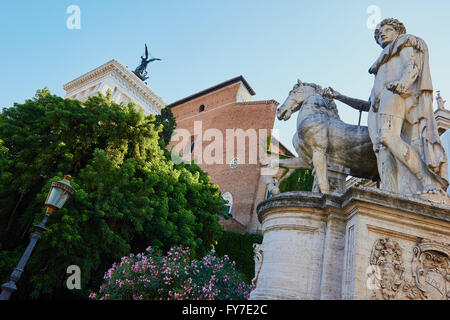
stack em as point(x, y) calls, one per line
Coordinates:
point(58, 195)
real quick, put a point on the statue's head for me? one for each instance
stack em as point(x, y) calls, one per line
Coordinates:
point(388, 30)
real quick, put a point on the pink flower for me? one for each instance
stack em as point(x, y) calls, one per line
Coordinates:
point(120, 283)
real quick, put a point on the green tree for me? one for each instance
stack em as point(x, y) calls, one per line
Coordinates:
point(129, 194)
point(168, 121)
point(4, 166)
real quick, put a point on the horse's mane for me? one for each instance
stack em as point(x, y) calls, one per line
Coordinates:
point(331, 105)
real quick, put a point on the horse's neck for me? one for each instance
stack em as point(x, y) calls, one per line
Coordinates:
point(311, 105)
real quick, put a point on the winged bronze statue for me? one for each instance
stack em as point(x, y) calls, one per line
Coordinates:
point(141, 71)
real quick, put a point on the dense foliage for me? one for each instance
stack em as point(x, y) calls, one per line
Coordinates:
point(239, 247)
point(299, 180)
point(129, 194)
point(175, 276)
point(4, 164)
point(168, 122)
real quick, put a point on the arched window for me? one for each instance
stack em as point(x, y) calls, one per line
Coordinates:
point(229, 199)
point(202, 108)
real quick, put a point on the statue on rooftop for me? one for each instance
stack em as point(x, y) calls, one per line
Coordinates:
point(141, 71)
point(440, 102)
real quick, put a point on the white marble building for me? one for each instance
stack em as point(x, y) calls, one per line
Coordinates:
point(125, 87)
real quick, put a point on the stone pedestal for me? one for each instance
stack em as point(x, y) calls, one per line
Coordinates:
point(337, 176)
point(363, 244)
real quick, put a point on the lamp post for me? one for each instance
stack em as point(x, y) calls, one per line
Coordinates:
point(59, 192)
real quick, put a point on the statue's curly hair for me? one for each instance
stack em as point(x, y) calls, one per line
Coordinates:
point(396, 24)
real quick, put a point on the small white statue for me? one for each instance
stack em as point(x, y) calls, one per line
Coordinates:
point(258, 257)
point(273, 187)
point(440, 102)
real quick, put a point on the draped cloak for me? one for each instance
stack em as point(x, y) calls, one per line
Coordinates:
point(422, 116)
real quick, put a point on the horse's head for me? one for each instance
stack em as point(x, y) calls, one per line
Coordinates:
point(299, 93)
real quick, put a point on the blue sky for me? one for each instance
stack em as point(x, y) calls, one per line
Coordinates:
point(202, 43)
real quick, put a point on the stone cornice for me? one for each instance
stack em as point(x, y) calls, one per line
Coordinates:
point(129, 76)
point(267, 102)
point(395, 201)
point(437, 112)
point(302, 199)
point(442, 115)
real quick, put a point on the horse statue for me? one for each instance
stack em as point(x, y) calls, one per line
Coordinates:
point(323, 139)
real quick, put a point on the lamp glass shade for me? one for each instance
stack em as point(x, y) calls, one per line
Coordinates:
point(57, 197)
point(59, 193)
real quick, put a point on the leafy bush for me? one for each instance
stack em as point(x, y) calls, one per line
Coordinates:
point(299, 180)
point(239, 247)
point(150, 276)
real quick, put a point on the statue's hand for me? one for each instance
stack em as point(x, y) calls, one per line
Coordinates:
point(392, 86)
point(397, 87)
point(330, 93)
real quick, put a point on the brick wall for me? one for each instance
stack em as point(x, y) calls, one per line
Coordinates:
point(222, 112)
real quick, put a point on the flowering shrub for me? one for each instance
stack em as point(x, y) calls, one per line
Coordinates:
point(150, 276)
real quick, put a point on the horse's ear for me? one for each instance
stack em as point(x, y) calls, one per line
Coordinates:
point(299, 82)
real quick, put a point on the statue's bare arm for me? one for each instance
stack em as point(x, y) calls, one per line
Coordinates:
point(357, 104)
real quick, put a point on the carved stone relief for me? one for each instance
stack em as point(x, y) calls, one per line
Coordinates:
point(386, 256)
point(430, 271)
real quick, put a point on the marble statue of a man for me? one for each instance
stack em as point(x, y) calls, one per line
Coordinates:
point(410, 156)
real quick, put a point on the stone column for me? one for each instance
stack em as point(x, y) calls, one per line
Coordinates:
point(333, 257)
point(292, 249)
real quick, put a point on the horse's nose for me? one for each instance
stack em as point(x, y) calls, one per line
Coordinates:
point(280, 114)
point(280, 109)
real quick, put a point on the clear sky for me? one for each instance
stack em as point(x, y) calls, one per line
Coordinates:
point(271, 43)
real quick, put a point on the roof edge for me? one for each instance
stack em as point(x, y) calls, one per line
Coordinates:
point(283, 146)
point(212, 89)
point(270, 101)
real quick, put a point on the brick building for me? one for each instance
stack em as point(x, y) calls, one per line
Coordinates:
point(227, 108)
